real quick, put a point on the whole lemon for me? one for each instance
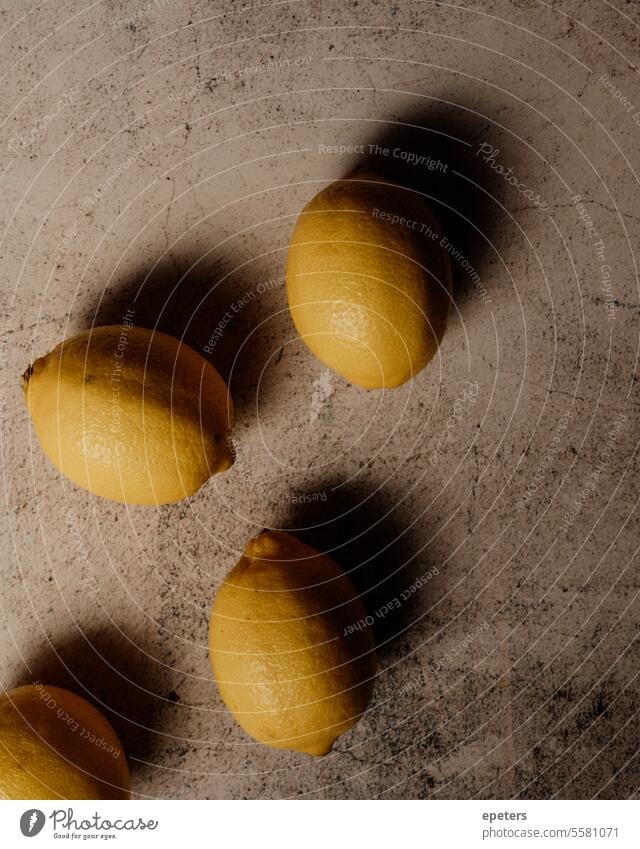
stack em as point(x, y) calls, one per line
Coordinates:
point(55, 745)
point(130, 414)
point(368, 283)
point(292, 657)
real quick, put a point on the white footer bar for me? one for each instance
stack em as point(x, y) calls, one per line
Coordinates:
point(323, 825)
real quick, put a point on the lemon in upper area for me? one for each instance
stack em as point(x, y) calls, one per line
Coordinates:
point(368, 283)
point(292, 656)
point(130, 414)
point(55, 745)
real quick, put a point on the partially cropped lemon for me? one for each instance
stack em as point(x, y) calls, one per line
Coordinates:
point(130, 414)
point(291, 654)
point(55, 745)
point(368, 283)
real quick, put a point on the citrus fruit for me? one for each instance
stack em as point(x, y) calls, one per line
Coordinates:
point(368, 283)
point(290, 652)
point(55, 745)
point(130, 414)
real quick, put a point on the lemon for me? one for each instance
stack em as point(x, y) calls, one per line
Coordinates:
point(130, 414)
point(290, 653)
point(368, 283)
point(55, 745)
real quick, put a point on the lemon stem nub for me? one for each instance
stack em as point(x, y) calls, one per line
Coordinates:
point(24, 380)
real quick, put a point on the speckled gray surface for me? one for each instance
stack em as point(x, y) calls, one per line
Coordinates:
point(155, 155)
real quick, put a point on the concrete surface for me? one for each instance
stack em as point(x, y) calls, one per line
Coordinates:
point(154, 157)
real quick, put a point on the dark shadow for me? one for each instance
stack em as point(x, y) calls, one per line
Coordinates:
point(231, 316)
point(365, 535)
point(444, 141)
point(189, 296)
point(115, 676)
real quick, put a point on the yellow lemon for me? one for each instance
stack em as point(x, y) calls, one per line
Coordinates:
point(55, 745)
point(368, 283)
point(130, 414)
point(290, 653)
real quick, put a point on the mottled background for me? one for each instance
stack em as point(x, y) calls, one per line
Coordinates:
point(154, 157)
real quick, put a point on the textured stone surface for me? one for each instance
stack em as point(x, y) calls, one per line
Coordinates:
point(155, 156)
